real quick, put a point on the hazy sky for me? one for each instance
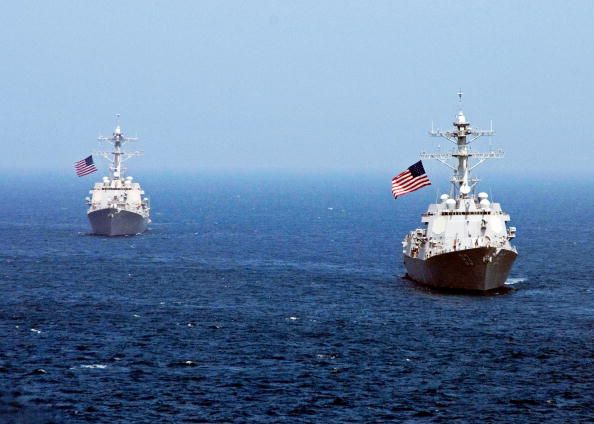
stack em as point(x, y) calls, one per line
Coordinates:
point(295, 85)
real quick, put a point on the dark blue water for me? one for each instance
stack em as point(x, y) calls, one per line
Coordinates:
point(261, 299)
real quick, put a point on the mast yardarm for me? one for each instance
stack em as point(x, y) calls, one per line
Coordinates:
point(116, 169)
point(462, 136)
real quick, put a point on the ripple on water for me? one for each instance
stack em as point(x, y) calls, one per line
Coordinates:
point(269, 315)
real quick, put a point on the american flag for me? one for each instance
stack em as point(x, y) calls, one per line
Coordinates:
point(410, 180)
point(85, 166)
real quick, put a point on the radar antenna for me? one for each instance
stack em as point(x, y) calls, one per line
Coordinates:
point(117, 156)
point(462, 183)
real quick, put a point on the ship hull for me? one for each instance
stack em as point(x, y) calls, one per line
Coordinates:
point(479, 269)
point(109, 222)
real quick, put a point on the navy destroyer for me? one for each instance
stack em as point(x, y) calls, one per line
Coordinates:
point(117, 206)
point(465, 243)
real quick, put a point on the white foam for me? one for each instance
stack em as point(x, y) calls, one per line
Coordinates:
point(94, 366)
point(35, 330)
point(512, 281)
point(324, 356)
point(293, 318)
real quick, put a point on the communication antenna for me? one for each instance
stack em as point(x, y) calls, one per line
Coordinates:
point(117, 156)
point(462, 135)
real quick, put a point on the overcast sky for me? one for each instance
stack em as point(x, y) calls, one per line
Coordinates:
point(295, 85)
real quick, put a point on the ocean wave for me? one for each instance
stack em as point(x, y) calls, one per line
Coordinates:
point(512, 281)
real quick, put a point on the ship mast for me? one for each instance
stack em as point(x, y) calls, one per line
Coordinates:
point(462, 136)
point(116, 169)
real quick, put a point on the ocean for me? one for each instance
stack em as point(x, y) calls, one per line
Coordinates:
point(267, 298)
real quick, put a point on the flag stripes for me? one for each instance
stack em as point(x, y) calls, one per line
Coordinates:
point(85, 166)
point(410, 180)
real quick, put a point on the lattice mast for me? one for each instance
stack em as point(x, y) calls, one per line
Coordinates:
point(462, 136)
point(117, 156)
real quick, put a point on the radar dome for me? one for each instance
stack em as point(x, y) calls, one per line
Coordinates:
point(460, 118)
point(450, 204)
point(484, 203)
point(444, 197)
point(482, 195)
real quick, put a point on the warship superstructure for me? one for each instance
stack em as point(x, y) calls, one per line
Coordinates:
point(465, 243)
point(117, 206)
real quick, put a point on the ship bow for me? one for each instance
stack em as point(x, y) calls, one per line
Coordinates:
point(110, 222)
point(479, 269)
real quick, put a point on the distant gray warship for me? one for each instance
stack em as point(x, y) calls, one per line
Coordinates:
point(465, 243)
point(117, 206)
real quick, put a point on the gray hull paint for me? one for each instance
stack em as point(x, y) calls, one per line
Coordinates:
point(463, 270)
point(107, 222)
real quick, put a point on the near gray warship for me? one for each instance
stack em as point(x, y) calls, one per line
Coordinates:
point(117, 206)
point(465, 243)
